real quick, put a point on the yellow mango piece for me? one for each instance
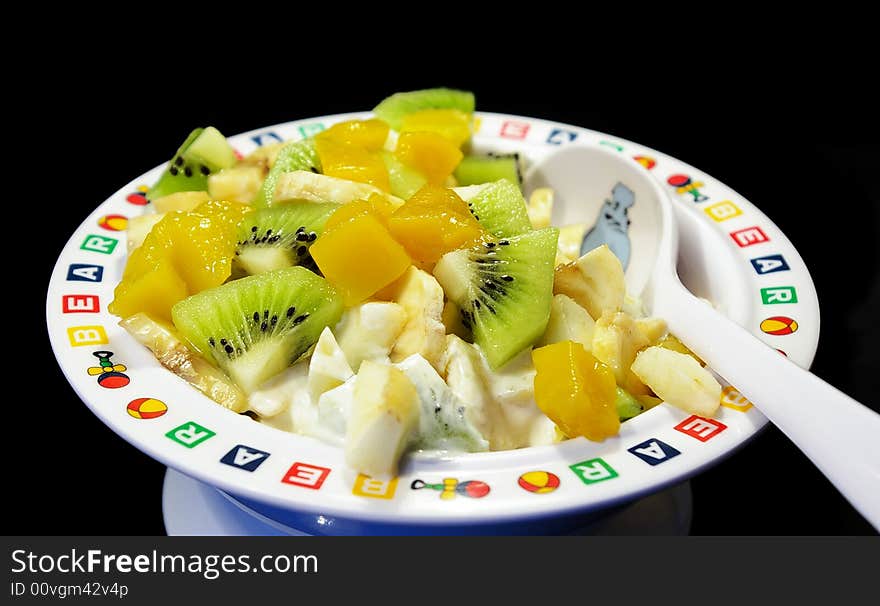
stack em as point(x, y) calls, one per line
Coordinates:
point(576, 391)
point(359, 257)
point(431, 154)
point(369, 134)
point(352, 162)
point(152, 292)
point(376, 205)
point(453, 124)
point(189, 248)
point(433, 222)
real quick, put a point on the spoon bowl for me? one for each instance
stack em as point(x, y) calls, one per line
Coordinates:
point(840, 435)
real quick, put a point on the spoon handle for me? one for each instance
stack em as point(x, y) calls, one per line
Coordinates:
point(840, 435)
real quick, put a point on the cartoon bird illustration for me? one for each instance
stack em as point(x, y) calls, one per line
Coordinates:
point(109, 375)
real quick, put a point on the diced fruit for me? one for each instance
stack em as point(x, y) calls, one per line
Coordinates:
point(369, 331)
point(368, 134)
point(453, 124)
point(182, 200)
point(431, 154)
point(616, 340)
point(540, 207)
point(500, 403)
point(263, 157)
point(138, 228)
point(443, 423)
point(393, 109)
point(384, 418)
point(153, 292)
point(255, 327)
point(504, 289)
point(485, 169)
point(679, 380)
point(403, 180)
point(205, 151)
point(280, 236)
point(188, 365)
point(305, 185)
point(595, 281)
point(353, 163)
point(576, 391)
point(333, 412)
point(571, 237)
point(671, 342)
point(568, 322)
point(433, 222)
point(194, 250)
point(328, 367)
point(359, 257)
point(469, 191)
point(422, 298)
point(452, 320)
point(653, 329)
point(501, 209)
point(238, 184)
point(376, 205)
point(296, 156)
point(627, 405)
point(280, 393)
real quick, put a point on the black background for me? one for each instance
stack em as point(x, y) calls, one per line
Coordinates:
point(797, 140)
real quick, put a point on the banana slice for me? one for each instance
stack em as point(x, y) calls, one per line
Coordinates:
point(595, 281)
point(653, 329)
point(540, 207)
point(306, 185)
point(568, 246)
point(328, 367)
point(239, 183)
point(276, 395)
point(568, 322)
point(616, 340)
point(182, 361)
point(679, 379)
point(369, 331)
point(424, 333)
point(384, 417)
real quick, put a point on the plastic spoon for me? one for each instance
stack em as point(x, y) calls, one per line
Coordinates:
point(837, 433)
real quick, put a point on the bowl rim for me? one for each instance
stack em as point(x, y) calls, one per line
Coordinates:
point(553, 458)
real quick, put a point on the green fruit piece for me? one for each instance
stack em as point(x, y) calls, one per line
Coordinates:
point(392, 109)
point(504, 289)
point(256, 327)
point(627, 406)
point(298, 155)
point(280, 236)
point(473, 170)
point(404, 181)
point(204, 152)
point(501, 209)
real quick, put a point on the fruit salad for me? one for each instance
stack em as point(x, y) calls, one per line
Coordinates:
point(381, 287)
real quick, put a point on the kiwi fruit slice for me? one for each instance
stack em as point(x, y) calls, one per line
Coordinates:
point(403, 180)
point(503, 289)
point(392, 109)
point(627, 406)
point(501, 209)
point(473, 170)
point(256, 327)
point(298, 155)
point(280, 236)
point(204, 152)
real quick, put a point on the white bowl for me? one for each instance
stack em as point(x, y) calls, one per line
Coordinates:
point(731, 254)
